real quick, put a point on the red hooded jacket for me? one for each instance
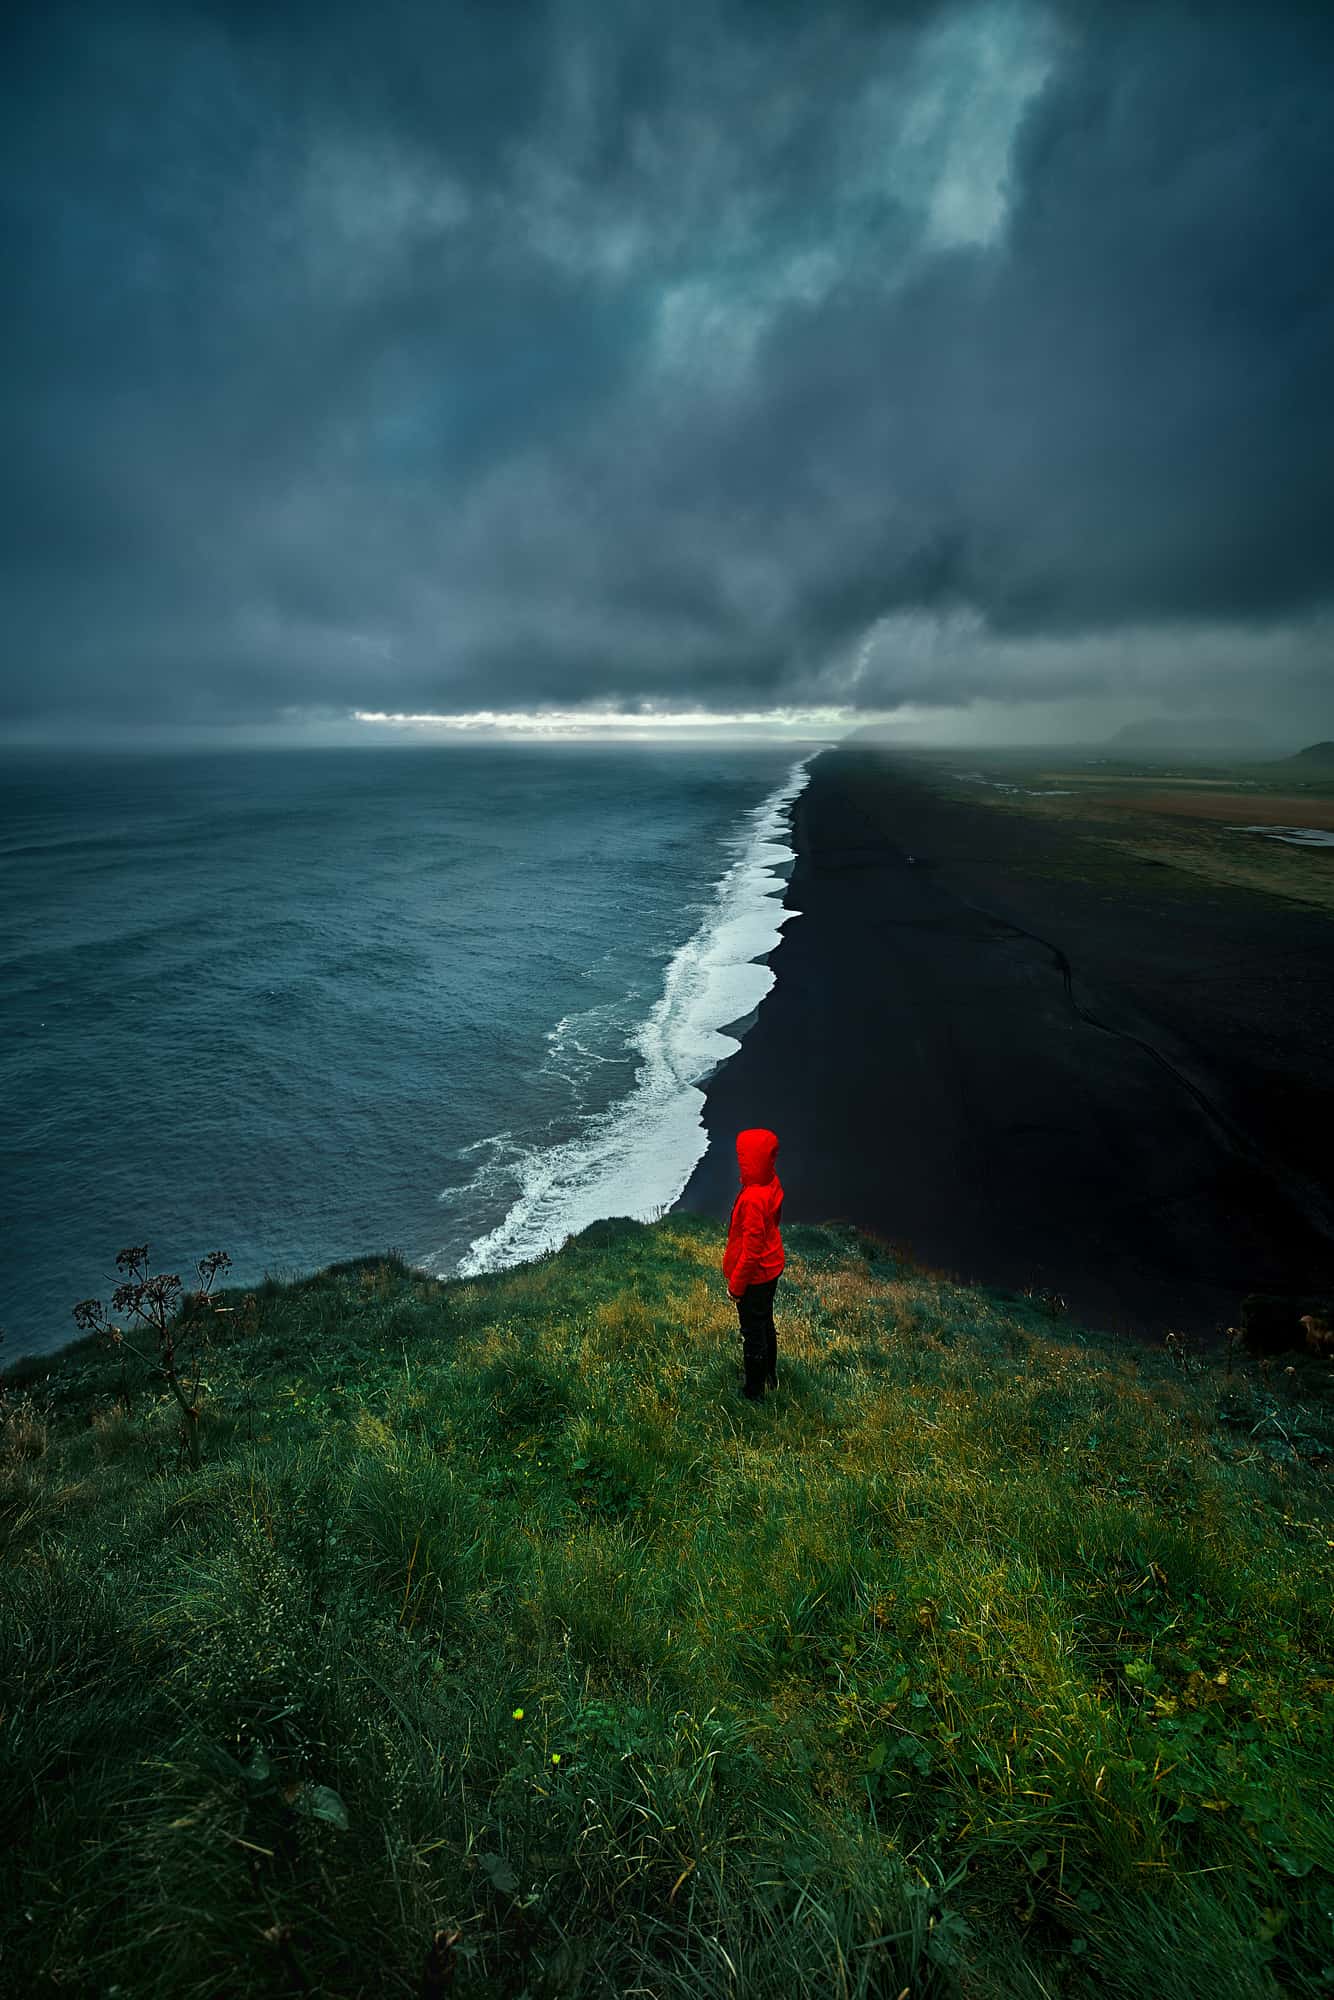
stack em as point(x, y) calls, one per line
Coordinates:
point(754, 1250)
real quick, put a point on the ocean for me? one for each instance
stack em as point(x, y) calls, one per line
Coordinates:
point(301, 1005)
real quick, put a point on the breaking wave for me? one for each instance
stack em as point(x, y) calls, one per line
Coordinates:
point(635, 1157)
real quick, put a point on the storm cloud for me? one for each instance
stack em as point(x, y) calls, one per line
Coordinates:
point(434, 358)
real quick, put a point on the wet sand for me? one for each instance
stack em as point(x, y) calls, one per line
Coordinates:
point(1119, 1088)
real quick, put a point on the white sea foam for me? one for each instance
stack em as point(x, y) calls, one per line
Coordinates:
point(635, 1157)
point(1296, 836)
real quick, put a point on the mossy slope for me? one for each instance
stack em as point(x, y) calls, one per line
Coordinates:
point(497, 1647)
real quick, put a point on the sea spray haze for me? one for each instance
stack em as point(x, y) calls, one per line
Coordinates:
point(306, 1004)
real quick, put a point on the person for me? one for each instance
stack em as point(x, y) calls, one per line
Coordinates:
point(753, 1259)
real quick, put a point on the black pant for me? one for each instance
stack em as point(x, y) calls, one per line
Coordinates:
point(759, 1340)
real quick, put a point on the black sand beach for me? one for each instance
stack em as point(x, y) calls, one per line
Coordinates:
point(1121, 1090)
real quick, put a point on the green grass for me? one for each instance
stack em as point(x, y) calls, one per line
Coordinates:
point(499, 1648)
point(1109, 843)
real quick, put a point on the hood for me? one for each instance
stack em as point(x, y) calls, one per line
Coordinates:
point(756, 1151)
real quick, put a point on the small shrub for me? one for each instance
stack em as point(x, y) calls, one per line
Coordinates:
point(177, 1321)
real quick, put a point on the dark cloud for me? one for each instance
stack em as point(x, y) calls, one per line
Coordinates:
point(415, 358)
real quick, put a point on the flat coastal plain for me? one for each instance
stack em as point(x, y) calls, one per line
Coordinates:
point(1057, 1025)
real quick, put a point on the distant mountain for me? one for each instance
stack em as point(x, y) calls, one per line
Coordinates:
point(1315, 753)
point(1184, 737)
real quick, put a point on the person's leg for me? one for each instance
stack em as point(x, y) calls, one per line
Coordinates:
point(754, 1353)
point(771, 1338)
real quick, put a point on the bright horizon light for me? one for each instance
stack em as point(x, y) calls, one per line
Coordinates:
point(583, 721)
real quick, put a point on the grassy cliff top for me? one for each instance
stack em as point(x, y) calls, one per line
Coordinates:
point(497, 1647)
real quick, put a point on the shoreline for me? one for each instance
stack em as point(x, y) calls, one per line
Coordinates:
point(638, 1149)
point(1025, 1080)
point(722, 964)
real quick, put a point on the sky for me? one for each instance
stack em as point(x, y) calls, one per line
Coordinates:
point(967, 365)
